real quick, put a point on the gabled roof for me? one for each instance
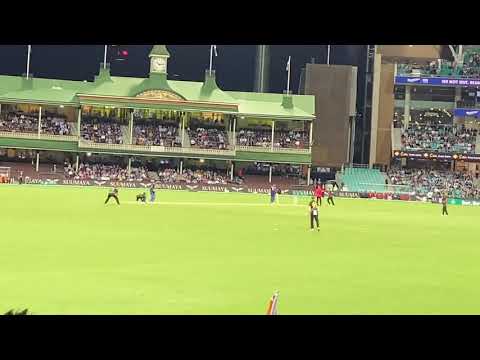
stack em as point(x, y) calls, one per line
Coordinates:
point(54, 91)
point(160, 50)
point(38, 90)
point(266, 103)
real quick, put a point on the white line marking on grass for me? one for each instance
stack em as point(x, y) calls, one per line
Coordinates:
point(207, 204)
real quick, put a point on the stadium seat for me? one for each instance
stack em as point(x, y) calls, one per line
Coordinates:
point(360, 180)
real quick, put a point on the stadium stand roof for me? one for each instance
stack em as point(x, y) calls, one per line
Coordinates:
point(129, 90)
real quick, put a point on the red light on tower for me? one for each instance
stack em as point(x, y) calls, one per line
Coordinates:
point(121, 53)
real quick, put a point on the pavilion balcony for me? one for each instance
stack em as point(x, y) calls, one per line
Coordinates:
point(35, 135)
point(275, 149)
point(154, 149)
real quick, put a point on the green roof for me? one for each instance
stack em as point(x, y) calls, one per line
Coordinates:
point(160, 50)
point(54, 91)
point(302, 103)
point(37, 90)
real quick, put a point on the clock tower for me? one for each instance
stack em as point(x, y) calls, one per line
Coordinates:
point(158, 59)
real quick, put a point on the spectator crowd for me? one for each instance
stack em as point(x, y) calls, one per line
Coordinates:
point(471, 65)
point(100, 172)
point(19, 121)
point(433, 183)
point(469, 68)
point(152, 132)
point(254, 137)
point(208, 138)
point(101, 130)
point(297, 139)
point(189, 176)
point(56, 125)
point(439, 138)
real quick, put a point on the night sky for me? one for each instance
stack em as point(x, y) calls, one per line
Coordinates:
point(235, 64)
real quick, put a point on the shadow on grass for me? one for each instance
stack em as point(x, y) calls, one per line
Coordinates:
point(19, 312)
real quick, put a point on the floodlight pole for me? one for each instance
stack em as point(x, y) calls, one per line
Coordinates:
point(211, 58)
point(29, 50)
point(105, 57)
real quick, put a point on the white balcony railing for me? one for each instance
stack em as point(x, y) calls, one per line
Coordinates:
point(126, 147)
point(151, 148)
point(154, 149)
point(18, 135)
point(195, 150)
point(59, 137)
point(269, 149)
point(22, 135)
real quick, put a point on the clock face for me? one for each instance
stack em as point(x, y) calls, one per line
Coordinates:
point(159, 65)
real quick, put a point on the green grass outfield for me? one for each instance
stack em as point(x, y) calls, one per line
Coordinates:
point(63, 252)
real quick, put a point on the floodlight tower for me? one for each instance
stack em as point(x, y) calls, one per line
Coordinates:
point(262, 68)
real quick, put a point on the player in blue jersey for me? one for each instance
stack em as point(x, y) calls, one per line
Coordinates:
point(273, 194)
point(152, 193)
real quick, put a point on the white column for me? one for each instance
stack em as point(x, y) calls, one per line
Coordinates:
point(308, 174)
point(129, 168)
point(234, 132)
point(311, 135)
point(38, 161)
point(270, 174)
point(39, 121)
point(130, 128)
point(181, 167)
point(79, 120)
point(231, 172)
point(183, 130)
point(273, 132)
point(77, 163)
point(406, 108)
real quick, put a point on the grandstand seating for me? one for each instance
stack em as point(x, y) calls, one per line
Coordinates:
point(435, 137)
point(470, 67)
point(363, 179)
